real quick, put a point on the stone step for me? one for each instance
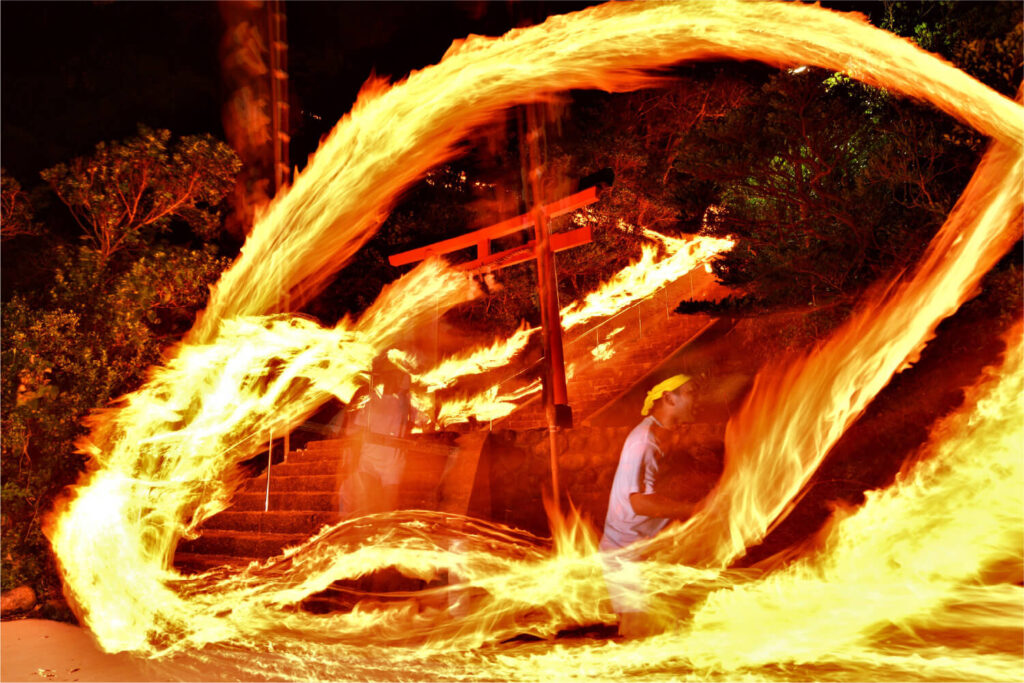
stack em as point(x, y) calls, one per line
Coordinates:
point(273, 521)
point(194, 563)
point(314, 447)
point(413, 495)
point(309, 483)
point(317, 448)
point(297, 465)
point(419, 473)
point(242, 545)
point(303, 498)
point(318, 501)
point(311, 456)
point(425, 445)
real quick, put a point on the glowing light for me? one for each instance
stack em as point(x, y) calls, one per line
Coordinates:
point(646, 276)
point(164, 456)
point(604, 350)
point(798, 409)
point(490, 404)
point(890, 561)
point(635, 282)
point(475, 361)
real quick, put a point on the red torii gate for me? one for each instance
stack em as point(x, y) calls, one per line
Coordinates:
point(542, 248)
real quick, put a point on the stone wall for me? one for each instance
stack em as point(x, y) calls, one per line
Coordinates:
point(518, 462)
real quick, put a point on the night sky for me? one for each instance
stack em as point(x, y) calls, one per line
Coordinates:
point(74, 74)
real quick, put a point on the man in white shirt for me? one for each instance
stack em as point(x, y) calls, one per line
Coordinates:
point(635, 510)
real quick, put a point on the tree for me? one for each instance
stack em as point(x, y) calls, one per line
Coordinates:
point(776, 173)
point(16, 214)
point(141, 184)
point(829, 184)
point(70, 349)
point(983, 39)
point(637, 135)
point(91, 332)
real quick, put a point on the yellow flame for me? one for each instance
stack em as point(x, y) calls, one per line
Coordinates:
point(635, 282)
point(907, 555)
point(403, 359)
point(646, 276)
point(475, 361)
point(911, 562)
point(163, 457)
point(799, 409)
point(638, 280)
point(604, 350)
point(487, 405)
point(165, 454)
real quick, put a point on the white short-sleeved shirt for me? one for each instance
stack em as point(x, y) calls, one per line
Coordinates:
point(638, 466)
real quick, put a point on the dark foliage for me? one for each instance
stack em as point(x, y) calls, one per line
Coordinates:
point(829, 185)
point(83, 325)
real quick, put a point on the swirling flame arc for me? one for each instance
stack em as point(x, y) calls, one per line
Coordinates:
point(163, 458)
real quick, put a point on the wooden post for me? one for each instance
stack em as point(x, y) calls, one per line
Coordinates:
point(556, 397)
point(279, 108)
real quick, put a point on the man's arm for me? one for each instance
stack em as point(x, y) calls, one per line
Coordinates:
point(657, 505)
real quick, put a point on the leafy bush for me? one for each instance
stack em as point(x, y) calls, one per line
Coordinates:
point(127, 190)
point(89, 334)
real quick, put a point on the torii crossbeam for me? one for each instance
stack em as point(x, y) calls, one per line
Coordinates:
point(481, 239)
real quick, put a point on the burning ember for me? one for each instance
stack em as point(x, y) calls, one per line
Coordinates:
point(927, 556)
point(604, 350)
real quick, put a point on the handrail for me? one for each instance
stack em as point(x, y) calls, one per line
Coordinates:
point(270, 462)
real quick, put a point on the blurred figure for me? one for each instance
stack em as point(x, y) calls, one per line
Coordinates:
point(375, 463)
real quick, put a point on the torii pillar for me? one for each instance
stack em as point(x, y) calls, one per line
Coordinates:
point(542, 248)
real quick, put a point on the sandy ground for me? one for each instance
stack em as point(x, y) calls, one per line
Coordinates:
point(38, 650)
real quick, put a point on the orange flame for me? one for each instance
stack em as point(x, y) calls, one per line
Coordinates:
point(604, 350)
point(646, 276)
point(635, 282)
point(487, 405)
point(475, 361)
point(797, 411)
point(163, 458)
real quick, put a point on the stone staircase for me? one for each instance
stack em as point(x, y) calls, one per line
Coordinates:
point(303, 497)
point(303, 493)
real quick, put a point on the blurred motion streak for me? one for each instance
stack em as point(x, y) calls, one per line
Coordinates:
point(921, 582)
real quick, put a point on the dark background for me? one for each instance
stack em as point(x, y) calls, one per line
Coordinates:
point(77, 73)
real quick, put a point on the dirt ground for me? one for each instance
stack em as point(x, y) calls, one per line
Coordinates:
point(39, 650)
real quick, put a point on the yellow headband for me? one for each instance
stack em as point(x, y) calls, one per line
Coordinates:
point(660, 389)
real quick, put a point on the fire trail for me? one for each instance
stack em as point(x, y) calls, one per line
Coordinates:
point(912, 559)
